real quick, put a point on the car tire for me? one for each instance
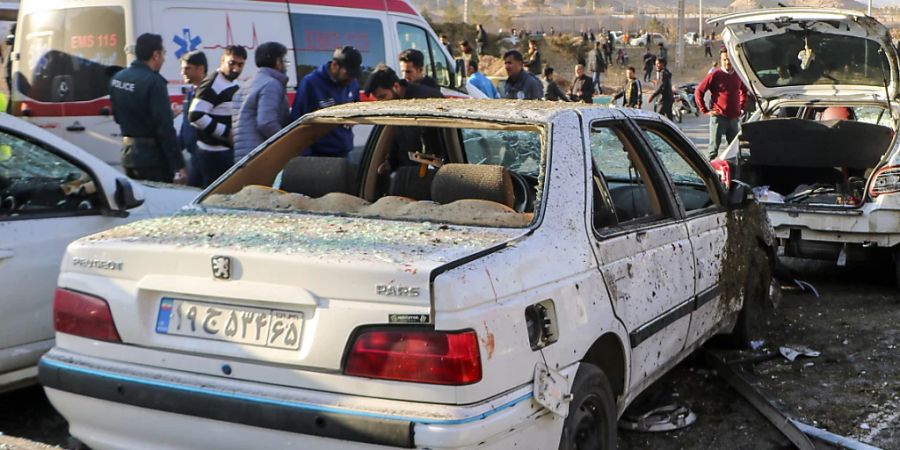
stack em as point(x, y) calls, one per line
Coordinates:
point(752, 319)
point(897, 265)
point(591, 423)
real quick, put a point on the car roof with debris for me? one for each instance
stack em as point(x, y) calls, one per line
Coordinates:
point(529, 111)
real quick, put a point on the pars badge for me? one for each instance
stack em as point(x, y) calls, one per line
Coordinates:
point(221, 267)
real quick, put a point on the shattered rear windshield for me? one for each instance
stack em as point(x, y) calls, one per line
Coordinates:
point(804, 57)
point(481, 176)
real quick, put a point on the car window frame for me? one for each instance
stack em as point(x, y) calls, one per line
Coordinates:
point(670, 211)
point(102, 208)
point(687, 151)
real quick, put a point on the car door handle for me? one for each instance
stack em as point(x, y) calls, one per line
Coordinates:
point(640, 235)
point(6, 253)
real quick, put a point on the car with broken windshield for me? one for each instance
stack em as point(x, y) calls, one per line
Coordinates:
point(489, 274)
point(51, 193)
point(821, 152)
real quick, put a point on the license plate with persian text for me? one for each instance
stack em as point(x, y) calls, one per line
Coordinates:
point(230, 323)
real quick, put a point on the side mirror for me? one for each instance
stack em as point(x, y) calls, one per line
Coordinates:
point(125, 198)
point(739, 194)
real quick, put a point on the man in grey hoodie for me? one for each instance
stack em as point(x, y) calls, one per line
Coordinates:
point(263, 104)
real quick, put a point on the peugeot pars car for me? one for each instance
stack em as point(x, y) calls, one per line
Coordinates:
point(822, 150)
point(490, 274)
point(51, 193)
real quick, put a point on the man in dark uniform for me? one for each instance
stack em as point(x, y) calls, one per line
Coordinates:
point(141, 107)
point(664, 91)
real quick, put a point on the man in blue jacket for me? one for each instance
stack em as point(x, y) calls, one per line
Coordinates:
point(333, 83)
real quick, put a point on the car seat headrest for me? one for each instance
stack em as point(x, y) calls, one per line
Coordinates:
point(316, 176)
point(473, 181)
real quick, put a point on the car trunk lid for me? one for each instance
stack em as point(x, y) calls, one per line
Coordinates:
point(811, 54)
point(216, 283)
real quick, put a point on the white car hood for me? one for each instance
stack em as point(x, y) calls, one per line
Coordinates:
point(824, 76)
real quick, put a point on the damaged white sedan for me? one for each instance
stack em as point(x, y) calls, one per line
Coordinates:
point(822, 151)
point(490, 274)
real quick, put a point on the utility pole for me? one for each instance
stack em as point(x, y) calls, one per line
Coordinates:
point(466, 11)
point(679, 36)
point(701, 20)
point(869, 10)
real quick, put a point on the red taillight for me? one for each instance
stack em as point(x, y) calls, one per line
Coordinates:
point(885, 181)
point(83, 315)
point(435, 357)
point(723, 170)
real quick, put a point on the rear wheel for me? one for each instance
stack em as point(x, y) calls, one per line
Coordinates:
point(591, 424)
point(752, 320)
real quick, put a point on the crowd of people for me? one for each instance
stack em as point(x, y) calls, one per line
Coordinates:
point(223, 120)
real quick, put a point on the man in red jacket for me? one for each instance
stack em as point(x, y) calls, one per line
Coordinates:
point(727, 97)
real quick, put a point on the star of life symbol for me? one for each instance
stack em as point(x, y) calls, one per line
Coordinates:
point(186, 42)
point(221, 267)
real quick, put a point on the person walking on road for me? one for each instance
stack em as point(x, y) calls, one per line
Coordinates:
point(520, 84)
point(663, 93)
point(140, 103)
point(727, 97)
point(264, 106)
point(597, 64)
point(210, 113)
point(631, 94)
point(582, 89)
point(333, 83)
point(193, 72)
point(649, 63)
point(707, 47)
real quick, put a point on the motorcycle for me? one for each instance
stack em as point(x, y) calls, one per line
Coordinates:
point(684, 102)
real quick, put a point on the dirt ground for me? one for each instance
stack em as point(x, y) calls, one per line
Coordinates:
point(851, 389)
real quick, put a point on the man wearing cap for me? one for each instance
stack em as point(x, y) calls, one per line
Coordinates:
point(333, 83)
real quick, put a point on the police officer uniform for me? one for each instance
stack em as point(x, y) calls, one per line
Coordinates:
point(141, 107)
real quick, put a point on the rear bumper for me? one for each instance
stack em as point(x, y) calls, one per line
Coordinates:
point(867, 225)
point(175, 410)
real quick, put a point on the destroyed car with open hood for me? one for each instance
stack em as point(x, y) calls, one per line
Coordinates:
point(488, 274)
point(821, 152)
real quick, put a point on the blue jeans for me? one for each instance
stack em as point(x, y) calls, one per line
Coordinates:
point(721, 126)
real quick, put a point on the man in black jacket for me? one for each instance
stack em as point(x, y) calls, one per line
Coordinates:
point(412, 67)
point(630, 94)
point(664, 91)
point(140, 102)
point(552, 90)
point(384, 84)
point(210, 113)
point(582, 87)
point(597, 64)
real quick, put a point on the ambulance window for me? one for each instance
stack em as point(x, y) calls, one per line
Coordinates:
point(316, 36)
point(69, 55)
point(437, 65)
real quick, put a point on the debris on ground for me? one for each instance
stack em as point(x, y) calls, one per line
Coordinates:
point(663, 418)
point(791, 353)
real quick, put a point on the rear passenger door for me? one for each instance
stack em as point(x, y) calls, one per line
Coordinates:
point(699, 196)
point(641, 245)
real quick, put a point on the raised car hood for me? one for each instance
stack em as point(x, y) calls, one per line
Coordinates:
point(811, 54)
point(329, 256)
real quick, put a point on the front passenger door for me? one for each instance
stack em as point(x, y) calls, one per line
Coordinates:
point(642, 248)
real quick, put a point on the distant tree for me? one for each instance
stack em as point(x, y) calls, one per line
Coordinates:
point(534, 3)
point(452, 12)
point(655, 26)
point(581, 3)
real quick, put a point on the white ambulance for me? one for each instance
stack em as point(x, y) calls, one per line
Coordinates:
point(66, 51)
